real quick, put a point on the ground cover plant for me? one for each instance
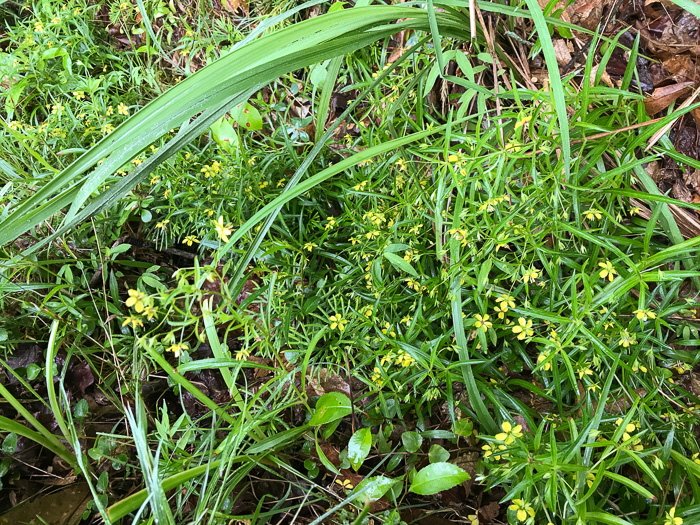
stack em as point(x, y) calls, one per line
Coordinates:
point(349, 262)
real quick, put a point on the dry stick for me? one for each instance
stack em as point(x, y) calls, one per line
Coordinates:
point(494, 57)
point(655, 138)
point(472, 18)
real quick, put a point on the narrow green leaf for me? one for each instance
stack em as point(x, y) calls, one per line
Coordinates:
point(358, 447)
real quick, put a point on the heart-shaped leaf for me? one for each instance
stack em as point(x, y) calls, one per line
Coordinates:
point(412, 441)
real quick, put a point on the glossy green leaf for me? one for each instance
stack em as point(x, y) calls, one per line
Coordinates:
point(358, 447)
point(375, 487)
point(329, 407)
point(411, 441)
point(437, 477)
point(400, 264)
point(247, 116)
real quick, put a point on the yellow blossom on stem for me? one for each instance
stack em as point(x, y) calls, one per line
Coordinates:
point(223, 231)
point(377, 377)
point(507, 300)
point(338, 322)
point(530, 275)
point(607, 271)
point(404, 359)
point(483, 322)
point(162, 224)
point(177, 348)
point(523, 328)
point(133, 321)
point(522, 509)
point(643, 315)
point(137, 300)
point(310, 246)
point(672, 519)
point(190, 240)
point(122, 109)
point(592, 213)
point(510, 433)
point(149, 312)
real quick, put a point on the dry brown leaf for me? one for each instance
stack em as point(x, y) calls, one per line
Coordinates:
point(586, 13)
point(561, 51)
point(235, 5)
point(665, 96)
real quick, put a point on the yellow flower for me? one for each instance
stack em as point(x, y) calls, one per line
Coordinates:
point(338, 322)
point(109, 110)
point(491, 449)
point(310, 246)
point(407, 320)
point(510, 433)
point(627, 339)
point(149, 312)
point(643, 315)
point(607, 270)
point(330, 224)
point(242, 354)
point(222, 231)
point(543, 357)
point(133, 321)
point(122, 109)
point(79, 95)
point(592, 213)
point(209, 212)
point(507, 300)
point(388, 330)
point(404, 359)
point(585, 371)
point(452, 158)
point(377, 377)
point(672, 519)
point(501, 310)
point(530, 275)
point(162, 224)
point(388, 358)
point(635, 211)
point(636, 444)
point(483, 322)
point(189, 240)
point(137, 300)
point(38, 27)
point(522, 509)
point(177, 348)
point(523, 328)
point(473, 519)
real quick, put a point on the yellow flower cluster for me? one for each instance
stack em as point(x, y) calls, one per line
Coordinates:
point(142, 304)
point(211, 171)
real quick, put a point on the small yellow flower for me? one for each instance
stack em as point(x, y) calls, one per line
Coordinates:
point(507, 300)
point(162, 224)
point(137, 300)
point(592, 213)
point(388, 330)
point(543, 357)
point(387, 359)
point(635, 211)
point(149, 312)
point(109, 110)
point(522, 509)
point(55, 20)
point(209, 212)
point(223, 231)
point(377, 377)
point(79, 95)
point(407, 320)
point(628, 339)
point(643, 315)
point(672, 519)
point(338, 322)
point(404, 359)
point(483, 322)
point(607, 270)
point(491, 449)
point(310, 246)
point(530, 275)
point(190, 240)
point(177, 348)
point(122, 109)
point(242, 354)
point(523, 328)
point(510, 433)
point(133, 321)
point(501, 310)
point(585, 371)
point(38, 27)
point(452, 158)
point(330, 224)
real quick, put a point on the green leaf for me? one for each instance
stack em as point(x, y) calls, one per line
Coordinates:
point(464, 427)
point(400, 263)
point(9, 444)
point(438, 454)
point(358, 447)
point(329, 407)
point(33, 371)
point(412, 441)
point(247, 116)
point(437, 477)
point(375, 487)
point(224, 135)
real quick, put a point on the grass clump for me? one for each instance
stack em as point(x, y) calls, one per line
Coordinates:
point(338, 318)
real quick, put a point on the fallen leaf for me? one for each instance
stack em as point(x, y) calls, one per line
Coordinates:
point(63, 507)
point(586, 13)
point(561, 51)
point(235, 5)
point(665, 96)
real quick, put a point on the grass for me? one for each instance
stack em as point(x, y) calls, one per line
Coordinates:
point(471, 275)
